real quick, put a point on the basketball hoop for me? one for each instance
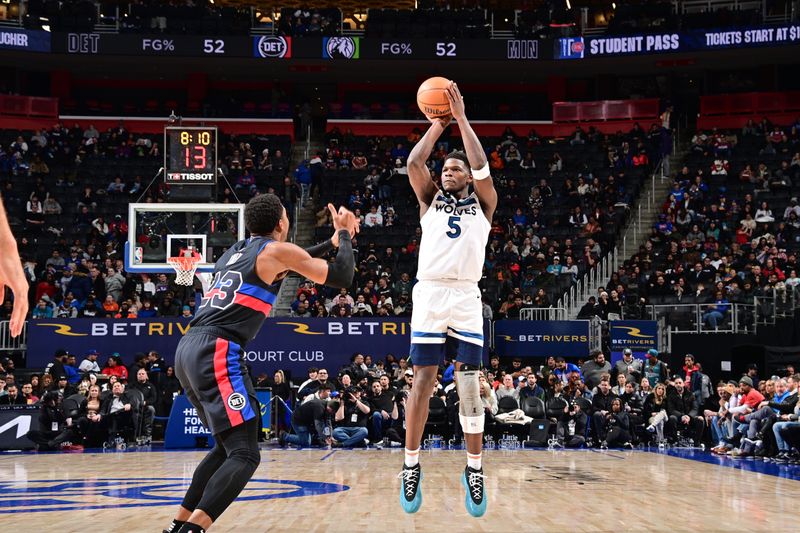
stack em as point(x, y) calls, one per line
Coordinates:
point(185, 267)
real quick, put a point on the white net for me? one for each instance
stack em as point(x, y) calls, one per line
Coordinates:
point(185, 267)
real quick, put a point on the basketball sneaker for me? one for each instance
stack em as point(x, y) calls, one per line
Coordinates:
point(475, 499)
point(410, 493)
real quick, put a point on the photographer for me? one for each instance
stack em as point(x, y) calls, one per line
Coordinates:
point(312, 414)
point(384, 410)
point(572, 426)
point(54, 427)
point(351, 419)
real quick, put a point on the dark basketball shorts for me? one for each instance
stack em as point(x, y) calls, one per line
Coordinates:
point(215, 379)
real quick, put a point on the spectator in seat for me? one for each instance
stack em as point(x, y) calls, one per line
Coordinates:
point(530, 388)
point(601, 407)
point(116, 187)
point(564, 369)
point(374, 218)
point(683, 411)
point(384, 409)
point(593, 369)
point(117, 410)
point(351, 420)
point(13, 397)
point(717, 311)
point(150, 399)
point(114, 367)
point(618, 426)
point(654, 370)
point(655, 410)
point(507, 388)
point(630, 367)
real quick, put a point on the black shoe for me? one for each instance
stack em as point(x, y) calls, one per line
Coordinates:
point(282, 439)
point(410, 495)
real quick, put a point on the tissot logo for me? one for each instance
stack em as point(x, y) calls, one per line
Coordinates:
point(523, 49)
point(278, 47)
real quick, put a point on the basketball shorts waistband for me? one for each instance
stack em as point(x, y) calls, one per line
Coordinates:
point(215, 332)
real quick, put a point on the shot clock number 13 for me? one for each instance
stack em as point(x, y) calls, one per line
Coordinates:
point(190, 155)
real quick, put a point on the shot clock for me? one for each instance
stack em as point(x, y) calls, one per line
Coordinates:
point(190, 155)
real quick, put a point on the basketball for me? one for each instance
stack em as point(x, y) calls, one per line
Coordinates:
point(432, 98)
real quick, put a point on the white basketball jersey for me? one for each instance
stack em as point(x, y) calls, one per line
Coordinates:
point(454, 236)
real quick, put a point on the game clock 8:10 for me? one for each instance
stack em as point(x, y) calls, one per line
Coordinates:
point(190, 155)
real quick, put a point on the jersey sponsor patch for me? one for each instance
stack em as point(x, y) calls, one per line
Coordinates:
point(236, 401)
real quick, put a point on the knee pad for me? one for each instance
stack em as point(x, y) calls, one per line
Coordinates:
point(470, 407)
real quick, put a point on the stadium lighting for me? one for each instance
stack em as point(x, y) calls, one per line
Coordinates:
point(613, 5)
point(569, 6)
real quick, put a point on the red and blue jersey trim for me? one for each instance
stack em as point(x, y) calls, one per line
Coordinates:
point(255, 297)
point(229, 377)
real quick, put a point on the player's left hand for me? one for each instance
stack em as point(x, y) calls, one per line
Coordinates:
point(456, 102)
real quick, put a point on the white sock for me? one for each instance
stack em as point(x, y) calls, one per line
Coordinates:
point(474, 461)
point(412, 457)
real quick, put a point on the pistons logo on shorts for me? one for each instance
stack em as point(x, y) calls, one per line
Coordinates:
point(236, 401)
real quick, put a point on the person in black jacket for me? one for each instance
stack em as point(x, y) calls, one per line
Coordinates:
point(54, 427)
point(117, 410)
point(56, 367)
point(683, 411)
point(13, 397)
point(357, 369)
point(618, 425)
point(383, 410)
point(311, 417)
point(632, 405)
point(150, 400)
point(601, 406)
point(167, 390)
point(572, 426)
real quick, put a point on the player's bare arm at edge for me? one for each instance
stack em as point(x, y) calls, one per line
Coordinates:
point(484, 188)
point(281, 256)
point(418, 173)
point(11, 274)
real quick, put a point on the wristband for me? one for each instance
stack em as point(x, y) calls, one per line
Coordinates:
point(481, 173)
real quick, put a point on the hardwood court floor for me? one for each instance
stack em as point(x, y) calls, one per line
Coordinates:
point(354, 491)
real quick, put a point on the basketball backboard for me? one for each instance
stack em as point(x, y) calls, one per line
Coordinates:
point(159, 231)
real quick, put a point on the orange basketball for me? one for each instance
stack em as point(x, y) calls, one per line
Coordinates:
point(432, 98)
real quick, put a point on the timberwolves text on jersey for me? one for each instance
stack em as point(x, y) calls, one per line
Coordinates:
point(454, 236)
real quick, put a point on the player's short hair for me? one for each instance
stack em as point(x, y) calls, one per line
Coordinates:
point(262, 213)
point(461, 156)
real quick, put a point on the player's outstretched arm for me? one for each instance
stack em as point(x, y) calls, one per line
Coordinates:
point(11, 274)
point(283, 256)
point(418, 173)
point(484, 186)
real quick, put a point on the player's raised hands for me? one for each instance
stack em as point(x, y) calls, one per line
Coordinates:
point(343, 219)
point(456, 101)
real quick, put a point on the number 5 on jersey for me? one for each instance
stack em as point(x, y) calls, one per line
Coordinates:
point(455, 229)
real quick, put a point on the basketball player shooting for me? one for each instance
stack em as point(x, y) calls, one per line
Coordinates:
point(209, 363)
point(11, 274)
point(447, 301)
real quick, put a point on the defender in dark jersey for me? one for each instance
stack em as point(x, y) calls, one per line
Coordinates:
point(209, 362)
